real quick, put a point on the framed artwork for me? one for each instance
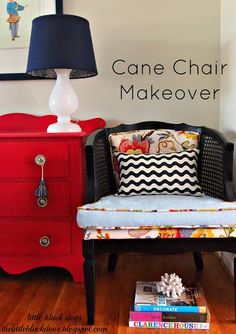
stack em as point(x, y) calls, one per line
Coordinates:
point(15, 29)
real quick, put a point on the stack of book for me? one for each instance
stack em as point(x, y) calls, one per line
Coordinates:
point(155, 310)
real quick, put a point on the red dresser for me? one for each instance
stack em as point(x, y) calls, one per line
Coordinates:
point(36, 233)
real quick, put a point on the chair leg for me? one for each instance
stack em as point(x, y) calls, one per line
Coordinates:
point(235, 288)
point(198, 261)
point(89, 279)
point(112, 261)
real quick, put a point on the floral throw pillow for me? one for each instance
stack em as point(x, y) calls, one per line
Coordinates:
point(151, 142)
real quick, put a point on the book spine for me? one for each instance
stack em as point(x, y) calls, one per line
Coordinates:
point(169, 325)
point(145, 316)
point(168, 316)
point(169, 308)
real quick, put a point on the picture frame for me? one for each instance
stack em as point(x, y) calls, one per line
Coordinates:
point(25, 76)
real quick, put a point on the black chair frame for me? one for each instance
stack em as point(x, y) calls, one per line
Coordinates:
point(215, 169)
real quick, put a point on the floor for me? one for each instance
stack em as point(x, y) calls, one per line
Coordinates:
point(46, 300)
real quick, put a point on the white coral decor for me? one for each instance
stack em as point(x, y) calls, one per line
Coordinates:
point(170, 285)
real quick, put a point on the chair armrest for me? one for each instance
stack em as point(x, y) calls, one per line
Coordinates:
point(100, 178)
point(216, 165)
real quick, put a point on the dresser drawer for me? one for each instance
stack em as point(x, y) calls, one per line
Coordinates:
point(18, 200)
point(35, 238)
point(18, 158)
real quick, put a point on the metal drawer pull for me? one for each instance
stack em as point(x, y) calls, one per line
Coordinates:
point(41, 192)
point(44, 241)
point(40, 159)
point(42, 202)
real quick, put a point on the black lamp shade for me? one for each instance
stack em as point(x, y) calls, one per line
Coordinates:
point(61, 41)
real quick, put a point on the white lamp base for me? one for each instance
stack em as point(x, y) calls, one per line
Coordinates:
point(63, 102)
point(63, 125)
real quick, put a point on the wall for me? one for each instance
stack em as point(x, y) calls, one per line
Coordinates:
point(228, 81)
point(228, 85)
point(153, 32)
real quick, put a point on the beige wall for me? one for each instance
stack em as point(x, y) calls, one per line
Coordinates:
point(228, 82)
point(153, 32)
point(228, 85)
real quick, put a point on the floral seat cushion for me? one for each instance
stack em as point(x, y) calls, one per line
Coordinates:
point(160, 233)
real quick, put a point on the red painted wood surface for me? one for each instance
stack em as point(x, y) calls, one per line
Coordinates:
point(20, 122)
point(27, 239)
point(22, 222)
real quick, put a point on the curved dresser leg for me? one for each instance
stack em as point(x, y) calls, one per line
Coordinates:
point(89, 279)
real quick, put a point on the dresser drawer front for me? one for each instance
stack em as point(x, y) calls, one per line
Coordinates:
point(26, 238)
point(18, 159)
point(17, 199)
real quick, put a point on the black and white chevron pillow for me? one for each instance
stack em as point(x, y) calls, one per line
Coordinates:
point(150, 174)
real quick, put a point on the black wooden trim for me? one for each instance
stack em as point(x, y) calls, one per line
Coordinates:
point(198, 260)
point(89, 277)
point(113, 258)
point(165, 246)
point(59, 6)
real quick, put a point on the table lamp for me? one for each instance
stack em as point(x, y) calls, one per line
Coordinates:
point(61, 48)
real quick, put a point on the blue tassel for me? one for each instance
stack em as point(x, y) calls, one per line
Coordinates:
point(41, 191)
